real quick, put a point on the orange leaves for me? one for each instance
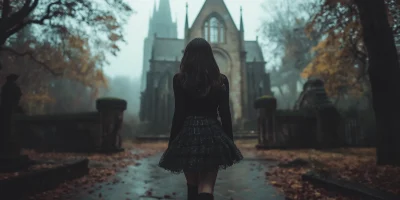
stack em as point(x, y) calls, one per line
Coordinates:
point(102, 168)
point(43, 97)
point(82, 64)
point(335, 62)
point(76, 41)
point(355, 164)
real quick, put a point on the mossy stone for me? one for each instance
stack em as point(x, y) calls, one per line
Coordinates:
point(266, 102)
point(111, 103)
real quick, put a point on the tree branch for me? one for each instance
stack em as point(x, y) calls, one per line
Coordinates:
point(47, 16)
point(20, 15)
point(30, 54)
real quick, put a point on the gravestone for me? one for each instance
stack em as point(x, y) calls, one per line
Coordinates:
point(314, 100)
point(10, 151)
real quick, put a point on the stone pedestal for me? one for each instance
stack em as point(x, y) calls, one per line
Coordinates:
point(112, 112)
point(266, 106)
point(10, 150)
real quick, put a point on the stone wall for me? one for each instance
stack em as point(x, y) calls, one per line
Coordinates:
point(78, 132)
point(63, 132)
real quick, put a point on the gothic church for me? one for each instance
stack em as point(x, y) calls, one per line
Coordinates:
point(241, 61)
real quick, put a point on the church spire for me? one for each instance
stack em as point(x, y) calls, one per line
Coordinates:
point(241, 20)
point(241, 30)
point(155, 7)
point(164, 9)
point(161, 21)
point(187, 17)
point(187, 24)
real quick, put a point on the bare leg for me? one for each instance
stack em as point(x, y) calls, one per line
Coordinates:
point(192, 178)
point(207, 181)
point(192, 185)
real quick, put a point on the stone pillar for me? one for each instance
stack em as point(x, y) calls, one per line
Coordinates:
point(112, 112)
point(266, 106)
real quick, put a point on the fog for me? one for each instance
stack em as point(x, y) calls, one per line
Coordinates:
point(125, 87)
point(128, 63)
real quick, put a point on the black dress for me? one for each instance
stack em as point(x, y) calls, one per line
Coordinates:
point(198, 140)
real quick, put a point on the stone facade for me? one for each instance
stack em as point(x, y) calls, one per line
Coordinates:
point(241, 61)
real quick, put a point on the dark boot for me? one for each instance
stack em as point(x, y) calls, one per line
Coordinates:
point(192, 192)
point(205, 196)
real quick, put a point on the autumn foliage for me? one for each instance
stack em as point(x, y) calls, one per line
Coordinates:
point(340, 58)
point(102, 168)
point(336, 63)
point(354, 164)
point(49, 41)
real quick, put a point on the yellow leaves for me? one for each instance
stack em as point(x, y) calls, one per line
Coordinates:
point(274, 183)
point(334, 62)
point(43, 98)
point(78, 61)
point(296, 186)
point(75, 41)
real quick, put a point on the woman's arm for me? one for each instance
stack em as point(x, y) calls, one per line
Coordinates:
point(225, 111)
point(179, 113)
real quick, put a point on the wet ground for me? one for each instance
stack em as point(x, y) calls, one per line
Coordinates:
point(145, 181)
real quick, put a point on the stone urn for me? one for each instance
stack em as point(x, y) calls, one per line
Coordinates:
point(112, 111)
point(266, 103)
point(107, 103)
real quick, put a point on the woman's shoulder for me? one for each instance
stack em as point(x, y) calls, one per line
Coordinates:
point(224, 79)
point(177, 77)
point(177, 80)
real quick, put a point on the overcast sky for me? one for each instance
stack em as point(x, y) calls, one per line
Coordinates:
point(129, 60)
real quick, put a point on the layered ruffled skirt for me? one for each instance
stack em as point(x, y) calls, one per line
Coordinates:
point(202, 145)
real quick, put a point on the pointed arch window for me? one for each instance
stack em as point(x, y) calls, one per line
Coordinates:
point(214, 30)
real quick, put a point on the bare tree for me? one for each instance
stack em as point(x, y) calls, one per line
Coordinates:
point(284, 29)
point(56, 20)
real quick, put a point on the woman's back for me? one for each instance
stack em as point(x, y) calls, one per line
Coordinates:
point(214, 103)
point(199, 146)
point(204, 105)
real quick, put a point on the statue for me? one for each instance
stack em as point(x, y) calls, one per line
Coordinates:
point(10, 97)
point(11, 93)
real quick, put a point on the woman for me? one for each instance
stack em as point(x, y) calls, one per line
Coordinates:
point(199, 145)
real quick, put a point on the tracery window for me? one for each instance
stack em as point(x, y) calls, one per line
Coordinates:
point(214, 30)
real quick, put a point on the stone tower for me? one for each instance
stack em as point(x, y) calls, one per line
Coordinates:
point(240, 60)
point(215, 23)
point(162, 25)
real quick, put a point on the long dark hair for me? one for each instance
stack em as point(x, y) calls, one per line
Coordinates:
point(199, 71)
